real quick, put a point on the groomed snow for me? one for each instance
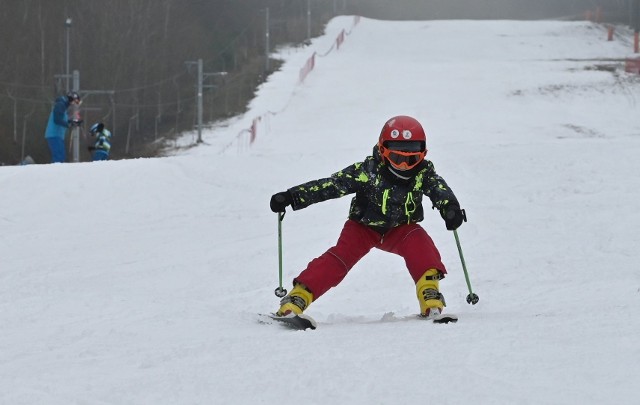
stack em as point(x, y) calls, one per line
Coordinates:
point(139, 281)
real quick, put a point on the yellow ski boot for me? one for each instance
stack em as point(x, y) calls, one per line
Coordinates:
point(296, 301)
point(431, 301)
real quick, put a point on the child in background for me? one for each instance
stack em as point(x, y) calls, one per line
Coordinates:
point(100, 149)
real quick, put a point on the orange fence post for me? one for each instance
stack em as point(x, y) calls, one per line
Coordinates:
point(632, 66)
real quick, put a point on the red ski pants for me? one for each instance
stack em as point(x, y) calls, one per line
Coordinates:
point(409, 241)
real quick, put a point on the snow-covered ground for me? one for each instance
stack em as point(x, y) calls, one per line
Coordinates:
point(138, 282)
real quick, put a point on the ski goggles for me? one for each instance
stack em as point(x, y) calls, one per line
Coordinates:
point(403, 155)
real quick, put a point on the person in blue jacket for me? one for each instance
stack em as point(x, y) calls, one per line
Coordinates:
point(58, 124)
point(100, 149)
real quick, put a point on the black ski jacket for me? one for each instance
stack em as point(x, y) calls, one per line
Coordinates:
point(383, 200)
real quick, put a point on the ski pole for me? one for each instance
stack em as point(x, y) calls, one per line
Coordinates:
point(280, 291)
point(471, 298)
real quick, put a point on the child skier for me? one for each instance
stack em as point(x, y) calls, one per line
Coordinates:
point(102, 146)
point(384, 214)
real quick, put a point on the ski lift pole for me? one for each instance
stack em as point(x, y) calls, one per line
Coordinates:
point(471, 298)
point(280, 291)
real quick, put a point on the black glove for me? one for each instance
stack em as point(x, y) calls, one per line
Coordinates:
point(280, 201)
point(91, 148)
point(453, 216)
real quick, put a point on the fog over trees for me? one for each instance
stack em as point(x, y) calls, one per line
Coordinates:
point(491, 9)
point(134, 57)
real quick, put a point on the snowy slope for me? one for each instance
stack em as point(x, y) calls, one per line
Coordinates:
point(138, 282)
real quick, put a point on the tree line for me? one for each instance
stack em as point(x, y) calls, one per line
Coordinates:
point(133, 57)
point(611, 10)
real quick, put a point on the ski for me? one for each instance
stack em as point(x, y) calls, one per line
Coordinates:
point(293, 321)
point(444, 318)
point(441, 318)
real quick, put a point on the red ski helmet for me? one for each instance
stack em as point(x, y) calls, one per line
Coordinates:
point(402, 142)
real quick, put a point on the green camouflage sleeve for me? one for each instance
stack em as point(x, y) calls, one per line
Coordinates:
point(437, 189)
point(346, 181)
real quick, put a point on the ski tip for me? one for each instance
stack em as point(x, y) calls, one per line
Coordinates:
point(293, 321)
point(312, 322)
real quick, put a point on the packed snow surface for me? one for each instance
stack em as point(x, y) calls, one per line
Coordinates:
point(140, 281)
